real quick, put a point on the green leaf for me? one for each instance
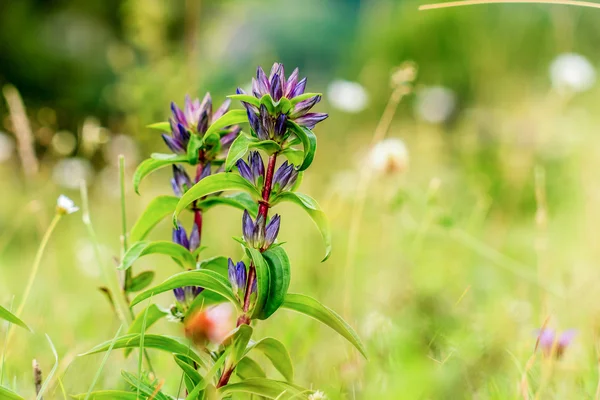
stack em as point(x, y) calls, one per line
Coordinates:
point(194, 394)
point(303, 96)
point(311, 206)
point(142, 387)
point(246, 98)
point(158, 209)
point(248, 368)
point(309, 143)
point(194, 145)
point(153, 315)
point(276, 352)
point(268, 101)
point(52, 371)
point(239, 339)
point(308, 306)
point(160, 342)
point(156, 161)
point(241, 201)
point(105, 395)
point(260, 386)
point(103, 363)
point(8, 394)
point(12, 318)
point(171, 249)
point(161, 126)
point(279, 280)
point(207, 279)
point(212, 184)
point(232, 117)
point(140, 281)
point(295, 156)
point(206, 297)
point(242, 144)
point(262, 281)
point(187, 366)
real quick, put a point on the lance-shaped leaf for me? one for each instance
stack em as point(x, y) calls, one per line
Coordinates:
point(262, 281)
point(161, 126)
point(191, 376)
point(158, 209)
point(241, 201)
point(106, 395)
point(207, 279)
point(212, 184)
point(238, 340)
point(212, 372)
point(171, 249)
point(294, 156)
point(242, 144)
point(12, 318)
point(246, 98)
point(309, 142)
point(140, 281)
point(260, 386)
point(310, 205)
point(206, 297)
point(276, 352)
point(142, 387)
point(8, 394)
point(232, 117)
point(308, 306)
point(160, 342)
point(248, 368)
point(279, 280)
point(152, 315)
point(156, 161)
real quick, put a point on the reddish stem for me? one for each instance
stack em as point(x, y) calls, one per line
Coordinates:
point(263, 207)
point(198, 222)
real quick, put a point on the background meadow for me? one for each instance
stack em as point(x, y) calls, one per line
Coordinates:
point(446, 270)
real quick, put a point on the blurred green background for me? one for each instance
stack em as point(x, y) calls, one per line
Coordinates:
point(458, 260)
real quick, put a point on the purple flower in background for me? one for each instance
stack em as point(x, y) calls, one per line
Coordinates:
point(549, 341)
point(258, 234)
point(185, 295)
point(195, 118)
point(277, 86)
point(254, 170)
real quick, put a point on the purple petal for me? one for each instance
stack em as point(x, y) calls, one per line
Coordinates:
point(247, 227)
point(275, 69)
point(205, 172)
point(245, 171)
point(262, 84)
point(180, 237)
point(546, 339)
point(179, 295)
point(311, 119)
point(231, 273)
point(227, 139)
point(276, 88)
point(291, 83)
point(176, 188)
point(282, 175)
point(174, 145)
point(567, 337)
point(258, 235)
point(266, 123)
point(194, 238)
point(240, 274)
point(280, 126)
point(178, 115)
point(206, 106)
point(256, 166)
point(304, 106)
point(298, 89)
point(221, 110)
point(254, 122)
point(203, 121)
point(182, 180)
point(292, 179)
point(272, 230)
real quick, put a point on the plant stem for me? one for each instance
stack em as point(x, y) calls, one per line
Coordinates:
point(128, 272)
point(34, 271)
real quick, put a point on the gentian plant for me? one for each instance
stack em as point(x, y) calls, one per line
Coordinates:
point(263, 167)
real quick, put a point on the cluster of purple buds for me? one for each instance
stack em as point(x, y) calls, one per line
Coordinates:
point(272, 125)
point(237, 278)
point(181, 181)
point(257, 234)
point(185, 295)
point(195, 118)
point(254, 172)
point(550, 342)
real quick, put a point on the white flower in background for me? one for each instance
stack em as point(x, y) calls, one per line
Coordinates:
point(572, 72)
point(69, 172)
point(65, 205)
point(435, 104)
point(318, 395)
point(350, 97)
point(389, 156)
point(7, 147)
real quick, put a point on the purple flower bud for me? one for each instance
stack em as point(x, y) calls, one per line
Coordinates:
point(194, 241)
point(205, 172)
point(181, 181)
point(276, 88)
point(266, 124)
point(291, 83)
point(203, 122)
point(298, 89)
point(304, 106)
point(280, 126)
point(174, 145)
point(221, 110)
point(248, 228)
point(254, 122)
point(178, 114)
point(256, 165)
point(258, 235)
point(262, 84)
point(206, 106)
point(231, 273)
point(179, 295)
point(272, 230)
point(240, 274)
point(228, 138)
point(180, 236)
point(311, 119)
point(282, 175)
point(244, 170)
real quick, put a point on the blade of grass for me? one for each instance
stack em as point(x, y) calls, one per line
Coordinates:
point(142, 334)
point(52, 371)
point(97, 376)
point(4, 346)
point(480, 2)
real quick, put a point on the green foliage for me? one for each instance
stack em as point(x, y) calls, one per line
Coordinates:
point(154, 163)
point(232, 117)
point(8, 394)
point(309, 142)
point(262, 387)
point(243, 143)
point(304, 96)
point(140, 249)
point(159, 208)
point(248, 368)
point(12, 318)
point(262, 281)
point(161, 126)
point(308, 306)
point(107, 395)
point(140, 281)
point(279, 280)
point(276, 352)
point(52, 371)
point(313, 209)
point(151, 315)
